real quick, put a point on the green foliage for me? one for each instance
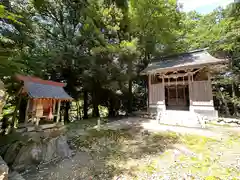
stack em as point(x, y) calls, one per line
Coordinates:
point(96, 46)
point(99, 47)
point(8, 15)
point(219, 30)
point(8, 45)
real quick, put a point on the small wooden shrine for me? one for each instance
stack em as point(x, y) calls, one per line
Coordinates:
point(182, 82)
point(44, 98)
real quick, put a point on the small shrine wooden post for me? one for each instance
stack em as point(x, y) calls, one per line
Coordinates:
point(58, 110)
point(26, 111)
point(54, 106)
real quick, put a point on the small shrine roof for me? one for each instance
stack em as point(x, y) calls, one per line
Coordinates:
point(43, 89)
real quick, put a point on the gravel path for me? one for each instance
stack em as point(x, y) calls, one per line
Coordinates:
point(152, 126)
point(84, 164)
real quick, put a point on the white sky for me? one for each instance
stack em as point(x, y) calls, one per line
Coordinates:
point(203, 6)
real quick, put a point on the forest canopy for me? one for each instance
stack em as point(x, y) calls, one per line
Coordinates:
point(99, 47)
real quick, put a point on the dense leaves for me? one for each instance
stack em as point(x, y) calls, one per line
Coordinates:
point(99, 47)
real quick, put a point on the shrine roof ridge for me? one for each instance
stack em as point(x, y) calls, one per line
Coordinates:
point(194, 58)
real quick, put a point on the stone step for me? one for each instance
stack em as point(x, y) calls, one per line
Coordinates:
point(173, 117)
point(180, 118)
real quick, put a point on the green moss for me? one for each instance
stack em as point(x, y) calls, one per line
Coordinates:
point(160, 136)
point(149, 169)
point(11, 138)
point(93, 136)
point(198, 144)
point(212, 178)
point(82, 124)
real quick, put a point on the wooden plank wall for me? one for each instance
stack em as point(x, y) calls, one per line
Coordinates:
point(157, 93)
point(201, 93)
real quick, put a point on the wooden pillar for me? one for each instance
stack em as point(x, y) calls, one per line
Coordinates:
point(176, 92)
point(184, 95)
point(190, 88)
point(54, 106)
point(163, 84)
point(39, 110)
point(210, 88)
point(149, 90)
point(58, 111)
point(148, 98)
point(209, 76)
point(168, 89)
point(34, 105)
point(62, 120)
point(26, 111)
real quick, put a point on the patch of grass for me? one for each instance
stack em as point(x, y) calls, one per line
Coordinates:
point(170, 137)
point(233, 138)
point(149, 169)
point(83, 124)
point(198, 144)
point(206, 162)
point(219, 125)
point(118, 148)
point(200, 165)
point(11, 138)
point(102, 137)
point(113, 134)
point(212, 178)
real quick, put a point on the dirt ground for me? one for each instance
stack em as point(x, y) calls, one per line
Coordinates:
point(130, 152)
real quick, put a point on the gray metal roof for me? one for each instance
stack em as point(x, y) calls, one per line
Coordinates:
point(38, 90)
point(181, 61)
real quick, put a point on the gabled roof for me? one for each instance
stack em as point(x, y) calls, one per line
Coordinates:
point(195, 58)
point(43, 89)
point(39, 80)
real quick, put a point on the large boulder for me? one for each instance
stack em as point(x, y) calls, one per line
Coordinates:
point(12, 152)
point(49, 150)
point(28, 155)
point(62, 147)
point(3, 169)
point(45, 151)
point(15, 176)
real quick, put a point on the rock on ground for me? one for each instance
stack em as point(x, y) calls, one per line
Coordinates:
point(44, 151)
point(3, 170)
point(15, 176)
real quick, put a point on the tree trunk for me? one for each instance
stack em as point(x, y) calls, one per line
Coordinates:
point(79, 114)
point(95, 104)
point(85, 104)
point(234, 96)
point(14, 119)
point(18, 101)
point(130, 99)
point(66, 112)
point(225, 104)
point(111, 109)
point(22, 110)
point(232, 83)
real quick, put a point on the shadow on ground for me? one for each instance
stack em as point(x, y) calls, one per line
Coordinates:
point(117, 151)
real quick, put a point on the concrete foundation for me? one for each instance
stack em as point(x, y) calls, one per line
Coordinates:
point(207, 111)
